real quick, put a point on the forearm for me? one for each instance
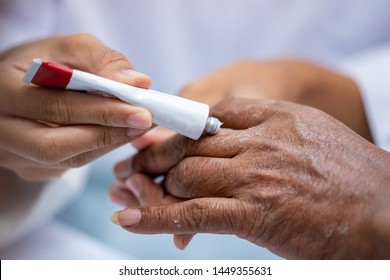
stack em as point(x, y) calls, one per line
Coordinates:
point(17, 199)
point(380, 229)
point(15, 191)
point(332, 93)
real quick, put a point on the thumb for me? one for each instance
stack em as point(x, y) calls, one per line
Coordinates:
point(181, 241)
point(201, 215)
point(89, 54)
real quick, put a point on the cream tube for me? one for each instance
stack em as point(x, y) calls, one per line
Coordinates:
point(186, 117)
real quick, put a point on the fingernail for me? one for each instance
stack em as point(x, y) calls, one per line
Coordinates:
point(135, 131)
point(114, 218)
point(140, 120)
point(128, 217)
point(134, 186)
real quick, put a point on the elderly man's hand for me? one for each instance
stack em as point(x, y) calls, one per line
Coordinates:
point(283, 176)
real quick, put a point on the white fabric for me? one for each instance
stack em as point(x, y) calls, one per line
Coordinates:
point(58, 241)
point(30, 208)
point(371, 71)
point(176, 41)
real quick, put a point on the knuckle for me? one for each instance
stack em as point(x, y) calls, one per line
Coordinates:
point(194, 217)
point(182, 145)
point(198, 217)
point(55, 109)
point(179, 180)
point(45, 150)
point(78, 40)
point(103, 116)
point(109, 56)
point(252, 225)
point(105, 138)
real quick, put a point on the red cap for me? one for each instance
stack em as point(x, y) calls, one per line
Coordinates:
point(52, 75)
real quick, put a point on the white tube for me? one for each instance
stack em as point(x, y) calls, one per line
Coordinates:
point(184, 116)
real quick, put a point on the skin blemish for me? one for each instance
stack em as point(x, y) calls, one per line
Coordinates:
point(176, 221)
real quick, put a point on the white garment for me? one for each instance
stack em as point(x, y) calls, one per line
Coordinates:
point(177, 41)
point(371, 70)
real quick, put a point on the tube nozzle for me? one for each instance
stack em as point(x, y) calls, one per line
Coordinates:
point(212, 125)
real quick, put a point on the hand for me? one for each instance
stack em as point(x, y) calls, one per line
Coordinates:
point(292, 80)
point(283, 176)
point(46, 131)
point(287, 79)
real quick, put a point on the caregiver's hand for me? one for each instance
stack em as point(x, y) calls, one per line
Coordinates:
point(283, 176)
point(45, 131)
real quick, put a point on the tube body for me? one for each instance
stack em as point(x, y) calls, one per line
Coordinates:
point(185, 116)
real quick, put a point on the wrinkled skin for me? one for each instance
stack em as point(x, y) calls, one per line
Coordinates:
point(44, 131)
point(283, 176)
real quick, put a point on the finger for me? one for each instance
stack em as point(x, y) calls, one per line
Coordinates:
point(207, 215)
point(14, 161)
point(244, 113)
point(203, 177)
point(51, 145)
point(87, 157)
point(181, 241)
point(122, 169)
point(147, 191)
point(120, 194)
point(68, 107)
point(102, 61)
point(161, 157)
point(155, 135)
point(140, 190)
point(37, 174)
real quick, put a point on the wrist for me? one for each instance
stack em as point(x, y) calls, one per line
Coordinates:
point(300, 79)
point(332, 93)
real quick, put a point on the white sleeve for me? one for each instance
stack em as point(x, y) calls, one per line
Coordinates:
point(25, 20)
point(371, 71)
point(29, 206)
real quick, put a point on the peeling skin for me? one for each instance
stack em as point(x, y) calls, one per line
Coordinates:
point(176, 221)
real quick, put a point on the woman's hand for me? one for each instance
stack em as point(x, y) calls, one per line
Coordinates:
point(46, 131)
point(283, 176)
